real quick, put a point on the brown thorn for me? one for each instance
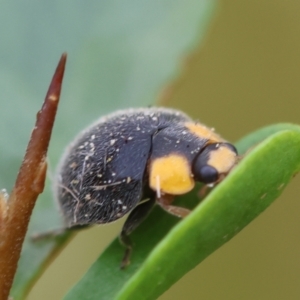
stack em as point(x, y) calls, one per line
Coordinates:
point(29, 184)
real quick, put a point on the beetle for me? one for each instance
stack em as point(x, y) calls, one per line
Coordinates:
point(131, 159)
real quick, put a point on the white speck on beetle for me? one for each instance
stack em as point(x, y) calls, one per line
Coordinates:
point(73, 165)
point(103, 187)
point(158, 194)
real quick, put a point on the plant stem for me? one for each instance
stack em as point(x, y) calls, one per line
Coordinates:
point(16, 211)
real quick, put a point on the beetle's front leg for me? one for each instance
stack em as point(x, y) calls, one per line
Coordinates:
point(165, 201)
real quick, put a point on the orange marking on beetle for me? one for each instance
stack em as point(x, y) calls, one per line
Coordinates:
point(174, 175)
point(203, 132)
point(222, 159)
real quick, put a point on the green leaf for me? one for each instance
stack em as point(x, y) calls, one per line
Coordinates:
point(258, 136)
point(121, 54)
point(249, 189)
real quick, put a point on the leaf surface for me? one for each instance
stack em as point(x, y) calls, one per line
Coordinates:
point(249, 189)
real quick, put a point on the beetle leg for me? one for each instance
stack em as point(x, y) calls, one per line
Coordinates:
point(48, 234)
point(40, 236)
point(165, 202)
point(135, 218)
point(203, 191)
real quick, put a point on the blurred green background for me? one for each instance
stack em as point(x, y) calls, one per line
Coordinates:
point(245, 76)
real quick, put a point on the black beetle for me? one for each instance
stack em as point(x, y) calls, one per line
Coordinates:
point(130, 160)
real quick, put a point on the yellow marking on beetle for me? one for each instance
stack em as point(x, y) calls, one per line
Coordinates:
point(174, 175)
point(222, 159)
point(203, 132)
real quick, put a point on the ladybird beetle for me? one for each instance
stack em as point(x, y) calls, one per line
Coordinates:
point(130, 160)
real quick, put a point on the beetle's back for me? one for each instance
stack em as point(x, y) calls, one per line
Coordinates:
point(101, 175)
